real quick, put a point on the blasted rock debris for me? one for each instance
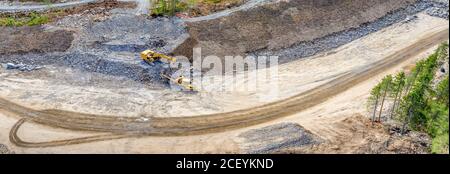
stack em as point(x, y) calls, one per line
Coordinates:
point(115, 34)
point(279, 136)
point(439, 8)
point(110, 47)
point(4, 149)
point(21, 67)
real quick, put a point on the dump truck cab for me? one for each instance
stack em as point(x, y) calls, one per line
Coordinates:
point(181, 81)
point(184, 82)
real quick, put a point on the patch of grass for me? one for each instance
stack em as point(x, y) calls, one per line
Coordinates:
point(34, 18)
point(191, 7)
point(439, 144)
point(37, 19)
point(213, 1)
point(10, 22)
point(47, 2)
point(29, 20)
point(167, 7)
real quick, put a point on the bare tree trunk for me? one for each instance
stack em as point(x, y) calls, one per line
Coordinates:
point(433, 118)
point(408, 88)
point(375, 109)
point(164, 5)
point(397, 97)
point(382, 101)
point(441, 97)
point(407, 120)
point(172, 7)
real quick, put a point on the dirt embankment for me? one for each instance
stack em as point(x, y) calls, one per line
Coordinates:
point(204, 7)
point(33, 39)
point(357, 135)
point(279, 24)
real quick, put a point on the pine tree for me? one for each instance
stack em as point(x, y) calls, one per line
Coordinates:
point(386, 82)
point(398, 85)
point(374, 97)
point(421, 106)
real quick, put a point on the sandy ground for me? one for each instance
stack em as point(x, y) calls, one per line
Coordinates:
point(72, 90)
point(312, 72)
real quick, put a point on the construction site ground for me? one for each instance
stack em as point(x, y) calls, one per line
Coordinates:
point(320, 107)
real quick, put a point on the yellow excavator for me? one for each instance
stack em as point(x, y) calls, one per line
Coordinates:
point(150, 56)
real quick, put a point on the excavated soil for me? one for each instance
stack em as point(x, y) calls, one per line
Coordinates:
point(280, 24)
point(206, 8)
point(35, 39)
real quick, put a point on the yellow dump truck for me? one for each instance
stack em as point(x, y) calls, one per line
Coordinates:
point(180, 81)
point(150, 56)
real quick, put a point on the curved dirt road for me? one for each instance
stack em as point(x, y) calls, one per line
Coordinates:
point(45, 7)
point(174, 126)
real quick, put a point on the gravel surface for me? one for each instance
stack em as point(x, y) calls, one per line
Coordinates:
point(276, 137)
point(132, 33)
point(111, 46)
point(439, 9)
point(21, 67)
point(4, 149)
point(95, 63)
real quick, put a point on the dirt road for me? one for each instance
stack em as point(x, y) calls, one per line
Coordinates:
point(45, 7)
point(126, 126)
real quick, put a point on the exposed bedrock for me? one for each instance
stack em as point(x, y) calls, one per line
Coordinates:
point(279, 24)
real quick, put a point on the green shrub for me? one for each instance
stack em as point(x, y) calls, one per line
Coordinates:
point(213, 1)
point(10, 22)
point(37, 19)
point(30, 20)
point(439, 145)
point(422, 106)
point(168, 7)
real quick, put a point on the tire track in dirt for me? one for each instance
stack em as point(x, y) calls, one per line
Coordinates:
point(14, 138)
point(121, 127)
